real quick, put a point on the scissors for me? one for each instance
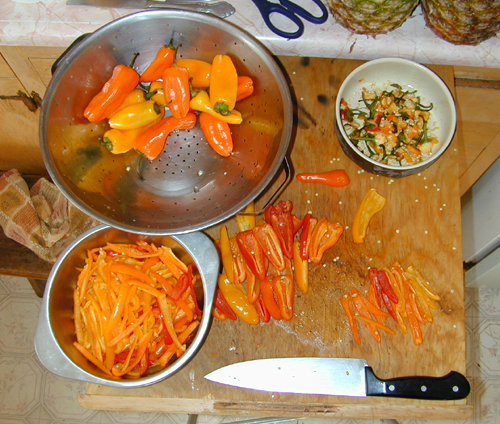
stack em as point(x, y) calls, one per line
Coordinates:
point(292, 12)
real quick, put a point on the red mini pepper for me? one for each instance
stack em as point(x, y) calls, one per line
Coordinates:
point(335, 178)
point(152, 141)
point(263, 312)
point(217, 133)
point(252, 253)
point(123, 80)
point(164, 59)
point(280, 218)
point(176, 90)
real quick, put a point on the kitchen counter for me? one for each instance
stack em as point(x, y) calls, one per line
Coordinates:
point(53, 23)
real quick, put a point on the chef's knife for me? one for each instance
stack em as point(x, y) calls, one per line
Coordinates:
point(335, 376)
point(222, 9)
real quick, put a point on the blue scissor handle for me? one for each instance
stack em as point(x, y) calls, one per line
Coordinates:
point(300, 11)
point(267, 8)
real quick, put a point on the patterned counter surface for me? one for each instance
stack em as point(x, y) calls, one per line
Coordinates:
point(53, 23)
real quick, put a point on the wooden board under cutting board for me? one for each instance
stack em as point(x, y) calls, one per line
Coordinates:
point(420, 225)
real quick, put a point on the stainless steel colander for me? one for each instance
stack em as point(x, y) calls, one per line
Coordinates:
point(188, 187)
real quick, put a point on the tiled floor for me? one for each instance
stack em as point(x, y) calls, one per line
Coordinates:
point(31, 395)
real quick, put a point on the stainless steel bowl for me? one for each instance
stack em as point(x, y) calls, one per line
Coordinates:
point(55, 332)
point(188, 187)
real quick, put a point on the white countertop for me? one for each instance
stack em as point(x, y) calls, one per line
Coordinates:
point(53, 23)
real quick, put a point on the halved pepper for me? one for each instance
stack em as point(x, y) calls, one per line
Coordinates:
point(252, 253)
point(284, 289)
point(246, 222)
point(269, 241)
point(221, 309)
point(280, 218)
point(268, 298)
point(237, 301)
point(372, 203)
point(324, 236)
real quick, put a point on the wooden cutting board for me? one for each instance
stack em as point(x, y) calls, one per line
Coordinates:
point(420, 225)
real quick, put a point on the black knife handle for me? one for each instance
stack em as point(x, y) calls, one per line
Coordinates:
point(453, 386)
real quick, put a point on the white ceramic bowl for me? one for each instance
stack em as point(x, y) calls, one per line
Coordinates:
point(379, 73)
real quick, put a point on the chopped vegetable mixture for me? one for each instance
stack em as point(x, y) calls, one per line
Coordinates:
point(390, 126)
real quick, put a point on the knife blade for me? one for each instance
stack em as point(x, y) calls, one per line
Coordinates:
point(337, 377)
point(222, 9)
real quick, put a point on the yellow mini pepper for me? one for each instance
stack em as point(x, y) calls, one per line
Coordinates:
point(237, 301)
point(372, 203)
point(136, 115)
point(223, 84)
point(201, 103)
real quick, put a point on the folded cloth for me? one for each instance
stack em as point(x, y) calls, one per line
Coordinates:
point(41, 219)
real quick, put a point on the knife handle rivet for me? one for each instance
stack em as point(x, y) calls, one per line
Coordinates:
point(455, 389)
point(392, 387)
point(423, 388)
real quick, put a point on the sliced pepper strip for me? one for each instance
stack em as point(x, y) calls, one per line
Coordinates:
point(324, 236)
point(346, 302)
point(301, 268)
point(226, 254)
point(363, 311)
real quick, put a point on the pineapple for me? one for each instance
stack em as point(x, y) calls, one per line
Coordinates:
point(463, 21)
point(371, 16)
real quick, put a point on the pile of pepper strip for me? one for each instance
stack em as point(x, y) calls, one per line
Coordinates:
point(264, 260)
point(404, 294)
point(193, 90)
point(135, 308)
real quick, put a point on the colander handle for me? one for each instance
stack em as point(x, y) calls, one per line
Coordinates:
point(288, 176)
point(58, 61)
